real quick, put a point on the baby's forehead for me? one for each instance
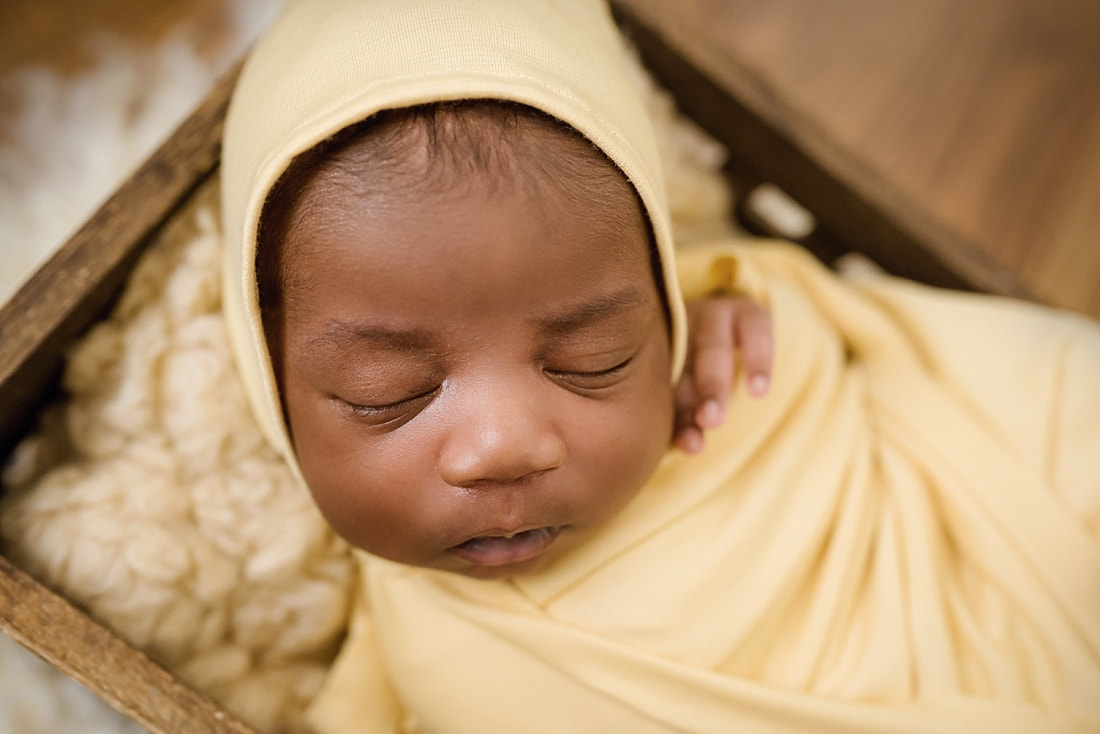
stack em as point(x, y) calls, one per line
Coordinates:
point(471, 157)
point(445, 146)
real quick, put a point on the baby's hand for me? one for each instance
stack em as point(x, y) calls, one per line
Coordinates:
point(717, 327)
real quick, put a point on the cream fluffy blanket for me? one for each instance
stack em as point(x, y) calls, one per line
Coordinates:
point(150, 497)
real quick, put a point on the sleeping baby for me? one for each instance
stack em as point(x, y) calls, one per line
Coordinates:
point(456, 306)
point(464, 309)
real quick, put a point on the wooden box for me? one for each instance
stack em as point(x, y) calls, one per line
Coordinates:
point(767, 143)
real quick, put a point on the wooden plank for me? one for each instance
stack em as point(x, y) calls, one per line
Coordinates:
point(986, 113)
point(771, 141)
point(92, 655)
point(72, 290)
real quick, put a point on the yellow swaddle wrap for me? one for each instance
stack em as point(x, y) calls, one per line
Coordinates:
point(904, 536)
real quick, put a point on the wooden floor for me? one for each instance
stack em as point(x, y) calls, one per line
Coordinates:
point(983, 113)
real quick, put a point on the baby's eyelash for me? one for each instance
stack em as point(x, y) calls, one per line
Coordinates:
point(375, 411)
point(608, 372)
point(595, 374)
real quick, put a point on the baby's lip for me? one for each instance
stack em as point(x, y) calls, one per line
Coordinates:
point(505, 547)
point(498, 532)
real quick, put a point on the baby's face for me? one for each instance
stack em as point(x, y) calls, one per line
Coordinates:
point(475, 379)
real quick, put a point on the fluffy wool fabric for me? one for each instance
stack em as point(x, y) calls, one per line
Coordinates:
point(150, 497)
point(68, 141)
point(172, 520)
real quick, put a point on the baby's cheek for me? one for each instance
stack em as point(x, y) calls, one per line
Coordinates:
point(631, 449)
point(655, 426)
point(330, 457)
point(364, 511)
point(381, 493)
point(329, 472)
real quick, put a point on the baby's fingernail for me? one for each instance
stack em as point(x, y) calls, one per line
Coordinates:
point(710, 415)
point(692, 442)
point(758, 385)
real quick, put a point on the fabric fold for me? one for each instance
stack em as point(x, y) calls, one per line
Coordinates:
point(890, 564)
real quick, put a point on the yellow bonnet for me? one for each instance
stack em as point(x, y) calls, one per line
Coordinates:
point(327, 64)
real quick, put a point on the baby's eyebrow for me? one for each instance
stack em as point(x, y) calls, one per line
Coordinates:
point(586, 313)
point(339, 332)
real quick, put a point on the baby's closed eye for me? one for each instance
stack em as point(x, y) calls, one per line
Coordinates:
point(386, 411)
point(588, 378)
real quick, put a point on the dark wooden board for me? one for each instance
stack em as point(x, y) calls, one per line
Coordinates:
point(92, 655)
point(769, 141)
point(986, 115)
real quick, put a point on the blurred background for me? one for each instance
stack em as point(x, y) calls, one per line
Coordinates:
point(985, 114)
point(88, 89)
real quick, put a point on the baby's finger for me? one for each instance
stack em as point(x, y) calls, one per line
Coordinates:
point(689, 440)
point(712, 371)
point(687, 435)
point(684, 401)
point(755, 340)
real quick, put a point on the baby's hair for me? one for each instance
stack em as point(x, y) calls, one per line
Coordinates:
point(428, 149)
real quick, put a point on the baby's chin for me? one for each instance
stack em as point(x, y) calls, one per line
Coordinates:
point(492, 573)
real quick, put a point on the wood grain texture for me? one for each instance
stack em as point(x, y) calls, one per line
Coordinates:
point(980, 119)
point(93, 656)
point(71, 290)
point(856, 208)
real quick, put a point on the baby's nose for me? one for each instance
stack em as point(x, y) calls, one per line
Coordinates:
point(500, 439)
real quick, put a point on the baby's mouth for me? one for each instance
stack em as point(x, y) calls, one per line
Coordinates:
point(500, 550)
